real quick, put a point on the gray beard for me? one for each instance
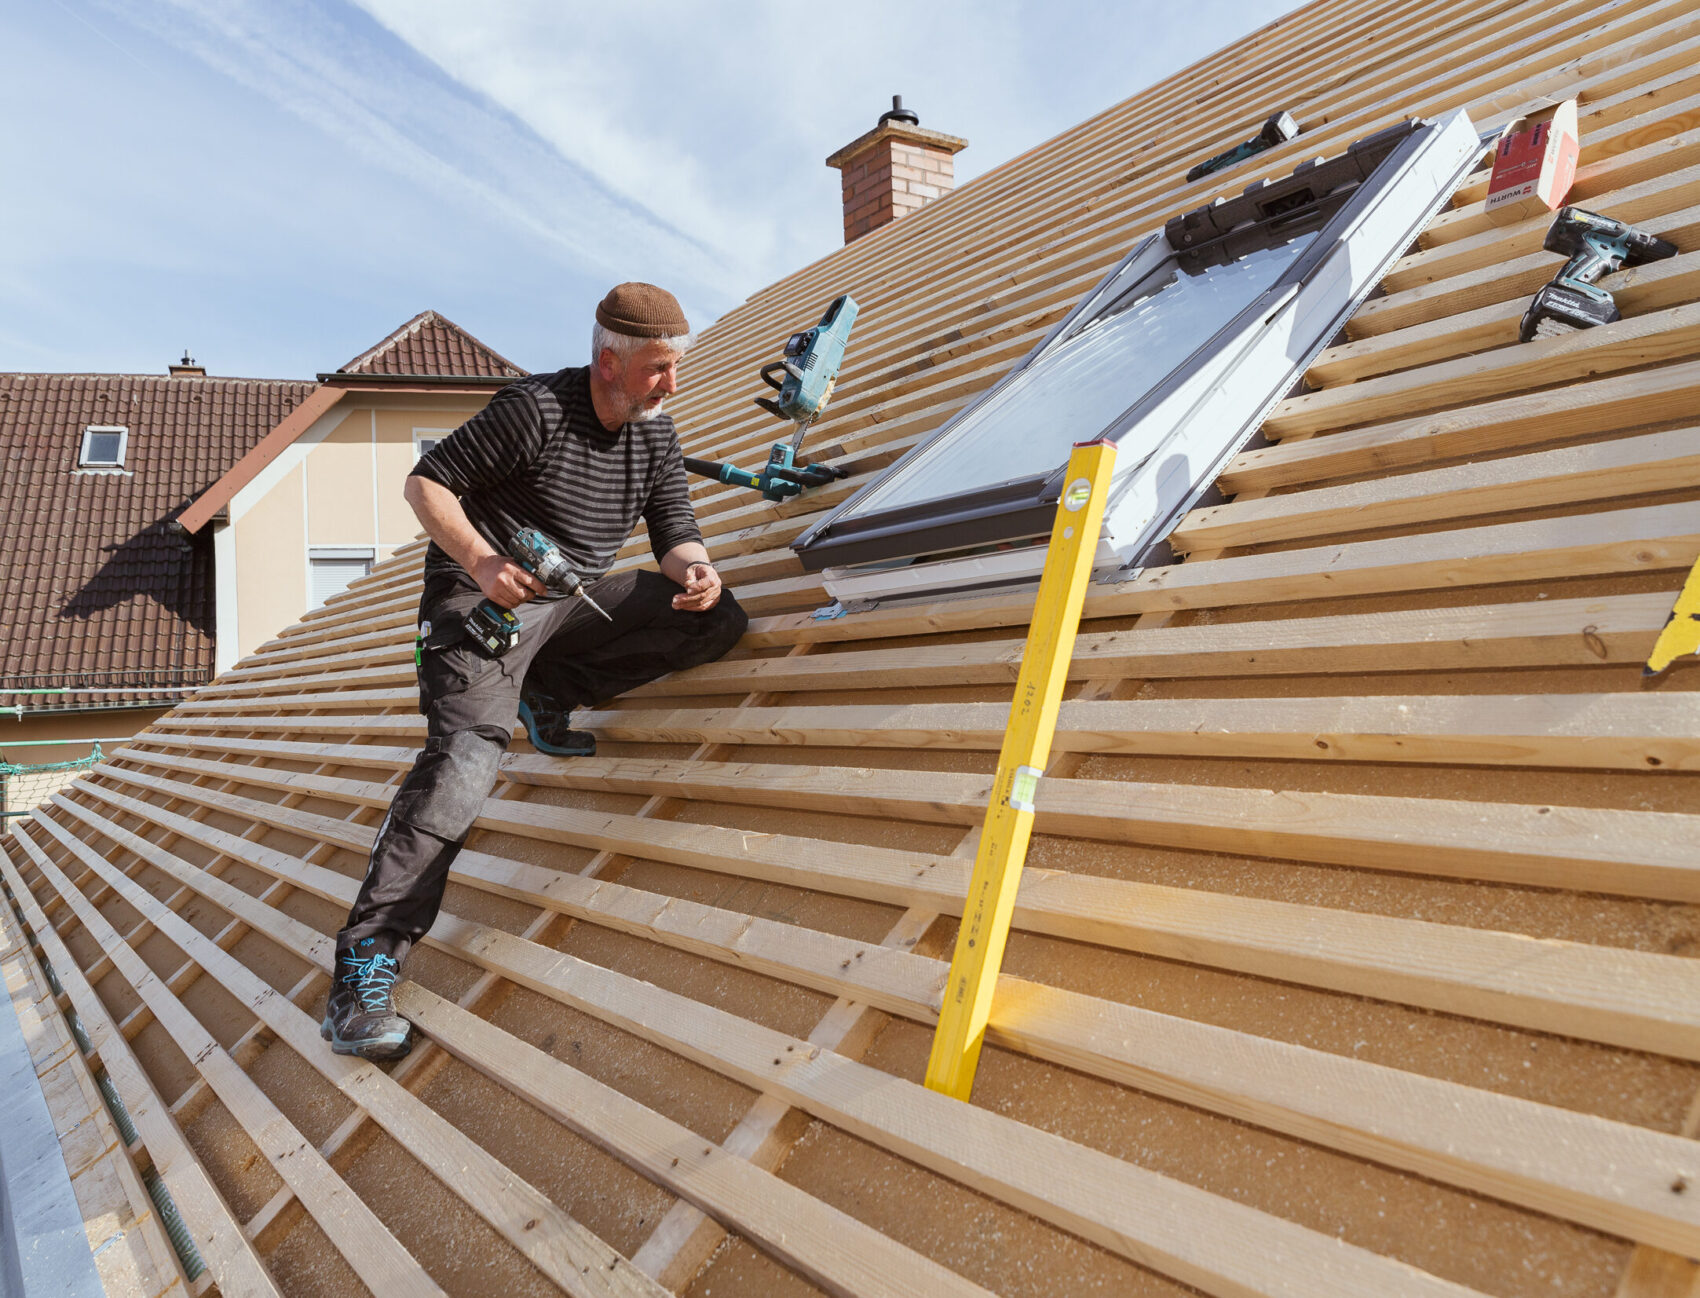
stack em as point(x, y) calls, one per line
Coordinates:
point(637, 410)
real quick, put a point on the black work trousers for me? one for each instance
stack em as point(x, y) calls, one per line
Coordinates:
point(471, 701)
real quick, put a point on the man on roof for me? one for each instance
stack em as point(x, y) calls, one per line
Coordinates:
point(581, 455)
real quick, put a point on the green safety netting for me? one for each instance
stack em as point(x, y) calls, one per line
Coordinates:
point(23, 787)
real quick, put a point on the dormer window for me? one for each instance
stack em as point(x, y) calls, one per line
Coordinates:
point(103, 446)
point(1177, 355)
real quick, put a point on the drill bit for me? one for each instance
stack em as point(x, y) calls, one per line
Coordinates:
point(583, 594)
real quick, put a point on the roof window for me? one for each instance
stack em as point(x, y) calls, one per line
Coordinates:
point(103, 446)
point(1177, 355)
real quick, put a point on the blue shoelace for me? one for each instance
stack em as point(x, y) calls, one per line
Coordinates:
point(372, 980)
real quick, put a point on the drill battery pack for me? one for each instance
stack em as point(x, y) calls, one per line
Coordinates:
point(493, 629)
point(1559, 309)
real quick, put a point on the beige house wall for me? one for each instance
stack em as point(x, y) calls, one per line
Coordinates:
point(271, 562)
point(69, 735)
point(339, 487)
point(397, 434)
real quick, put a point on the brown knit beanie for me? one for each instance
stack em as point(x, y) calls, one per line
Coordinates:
point(642, 311)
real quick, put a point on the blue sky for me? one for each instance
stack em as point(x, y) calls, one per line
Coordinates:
point(277, 184)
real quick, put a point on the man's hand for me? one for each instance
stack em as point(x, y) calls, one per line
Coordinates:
point(508, 584)
point(440, 512)
point(687, 563)
point(702, 589)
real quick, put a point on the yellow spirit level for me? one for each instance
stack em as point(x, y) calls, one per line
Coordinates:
point(1026, 748)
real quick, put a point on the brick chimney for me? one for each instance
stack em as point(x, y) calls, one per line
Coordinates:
point(187, 369)
point(895, 169)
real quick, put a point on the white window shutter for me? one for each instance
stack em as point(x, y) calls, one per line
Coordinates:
point(331, 576)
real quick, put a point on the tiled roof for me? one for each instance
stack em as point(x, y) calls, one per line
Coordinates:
point(430, 344)
point(97, 591)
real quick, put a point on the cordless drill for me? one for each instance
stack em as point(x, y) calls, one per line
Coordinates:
point(497, 628)
point(1596, 245)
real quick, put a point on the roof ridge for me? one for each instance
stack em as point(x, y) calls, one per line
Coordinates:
point(486, 359)
point(519, 370)
point(408, 327)
point(126, 374)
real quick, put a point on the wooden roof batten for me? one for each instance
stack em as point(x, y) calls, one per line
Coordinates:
point(1356, 953)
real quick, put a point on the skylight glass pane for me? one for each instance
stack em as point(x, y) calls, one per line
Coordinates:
point(1081, 385)
point(102, 448)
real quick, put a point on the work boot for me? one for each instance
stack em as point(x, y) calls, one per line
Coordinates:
point(360, 1016)
point(546, 725)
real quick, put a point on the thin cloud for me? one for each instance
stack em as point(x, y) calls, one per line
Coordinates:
point(397, 115)
point(717, 118)
point(278, 182)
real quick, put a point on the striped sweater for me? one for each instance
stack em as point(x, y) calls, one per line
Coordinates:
point(537, 456)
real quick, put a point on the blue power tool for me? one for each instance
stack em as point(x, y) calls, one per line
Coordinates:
point(497, 628)
point(1596, 245)
point(810, 366)
point(779, 478)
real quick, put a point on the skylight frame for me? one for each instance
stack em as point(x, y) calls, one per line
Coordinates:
point(1419, 171)
point(99, 430)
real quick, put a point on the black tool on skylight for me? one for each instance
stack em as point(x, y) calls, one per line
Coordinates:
point(1280, 128)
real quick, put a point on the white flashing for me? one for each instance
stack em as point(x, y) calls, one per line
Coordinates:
point(226, 611)
point(945, 577)
point(44, 1243)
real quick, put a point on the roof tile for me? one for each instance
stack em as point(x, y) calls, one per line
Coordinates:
point(431, 344)
point(98, 591)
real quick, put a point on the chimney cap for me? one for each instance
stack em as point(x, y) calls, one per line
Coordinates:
point(900, 124)
point(899, 113)
point(187, 368)
point(893, 170)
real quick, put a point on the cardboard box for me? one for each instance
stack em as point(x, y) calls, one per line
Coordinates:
point(1534, 164)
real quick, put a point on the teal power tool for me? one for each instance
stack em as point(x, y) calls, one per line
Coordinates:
point(496, 628)
point(1596, 245)
point(810, 366)
point(1280, 128)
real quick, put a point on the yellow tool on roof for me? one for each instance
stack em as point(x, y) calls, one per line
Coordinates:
point(1682, 632)
point(990, 904)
